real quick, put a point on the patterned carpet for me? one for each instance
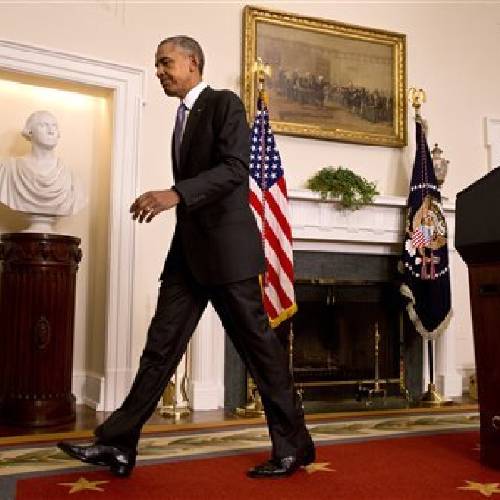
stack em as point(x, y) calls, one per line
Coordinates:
point(21, 462)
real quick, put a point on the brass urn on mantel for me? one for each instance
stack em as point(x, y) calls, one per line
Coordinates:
point(37, 310)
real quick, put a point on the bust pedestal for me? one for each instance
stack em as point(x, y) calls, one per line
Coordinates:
point(37, 309)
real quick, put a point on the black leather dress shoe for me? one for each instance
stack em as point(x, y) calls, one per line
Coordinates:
point(282, 467)
point(120, 462)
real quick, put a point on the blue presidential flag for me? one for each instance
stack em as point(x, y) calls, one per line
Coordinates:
point(426, 272)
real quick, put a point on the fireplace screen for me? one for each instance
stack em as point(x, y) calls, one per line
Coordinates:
point(346, 336)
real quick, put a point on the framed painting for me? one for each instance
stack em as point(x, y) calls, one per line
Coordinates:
point(328, 80)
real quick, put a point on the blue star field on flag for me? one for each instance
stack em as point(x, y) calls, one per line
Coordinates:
point(272, 172)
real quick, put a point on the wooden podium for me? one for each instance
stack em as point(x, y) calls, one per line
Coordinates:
point(477, 239)
point(37, 306)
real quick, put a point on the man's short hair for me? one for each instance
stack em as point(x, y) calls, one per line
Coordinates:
point(189, 45)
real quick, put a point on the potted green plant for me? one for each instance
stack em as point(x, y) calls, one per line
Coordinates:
point(343, 184)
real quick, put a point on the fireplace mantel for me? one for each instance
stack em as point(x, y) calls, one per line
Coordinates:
point(375, 228)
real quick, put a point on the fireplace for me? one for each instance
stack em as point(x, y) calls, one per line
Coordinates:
point(346, 284)
point(348, 308)
point(343, 301)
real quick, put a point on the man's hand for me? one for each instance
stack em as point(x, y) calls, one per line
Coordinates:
point(150, 204)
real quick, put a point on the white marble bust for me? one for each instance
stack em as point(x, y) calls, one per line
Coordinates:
point(39, 183)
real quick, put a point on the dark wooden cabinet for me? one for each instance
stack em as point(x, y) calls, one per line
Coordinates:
point(37, 306)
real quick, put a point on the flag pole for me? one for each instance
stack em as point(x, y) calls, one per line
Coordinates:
point(254, 407)
point(431, 397)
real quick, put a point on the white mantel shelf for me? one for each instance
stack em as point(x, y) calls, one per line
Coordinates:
point(377, 228)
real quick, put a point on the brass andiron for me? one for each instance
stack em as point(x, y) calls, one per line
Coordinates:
point(376, 391)
point(254, 407)
point(170, 404)
point(402, 377)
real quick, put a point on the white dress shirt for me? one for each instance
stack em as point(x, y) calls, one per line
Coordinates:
point(190, 99)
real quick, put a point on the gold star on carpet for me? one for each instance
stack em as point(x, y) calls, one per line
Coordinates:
point(486, 489)
point(83, 484)
point(318, 467)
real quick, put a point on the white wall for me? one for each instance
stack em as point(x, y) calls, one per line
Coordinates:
point(452, 53)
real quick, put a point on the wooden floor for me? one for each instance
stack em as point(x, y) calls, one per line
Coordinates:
point(87, 419)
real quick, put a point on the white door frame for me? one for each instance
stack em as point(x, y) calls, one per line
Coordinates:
point(128, 86)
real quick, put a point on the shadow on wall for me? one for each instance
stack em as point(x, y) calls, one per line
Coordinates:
point(12, 222)
point(14, 143)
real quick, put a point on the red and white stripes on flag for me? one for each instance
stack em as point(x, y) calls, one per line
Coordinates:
point(269, 202)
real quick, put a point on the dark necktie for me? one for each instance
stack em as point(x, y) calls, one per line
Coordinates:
point(178, 130)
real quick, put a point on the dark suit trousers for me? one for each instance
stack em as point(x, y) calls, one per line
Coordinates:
point(181, 303)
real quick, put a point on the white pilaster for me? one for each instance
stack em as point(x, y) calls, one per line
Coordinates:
point(449, 380)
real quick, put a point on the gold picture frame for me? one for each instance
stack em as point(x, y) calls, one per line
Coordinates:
point(329, 80)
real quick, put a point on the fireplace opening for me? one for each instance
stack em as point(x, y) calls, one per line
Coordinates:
point(346, 337)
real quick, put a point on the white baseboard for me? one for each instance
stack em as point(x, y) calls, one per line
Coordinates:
point(88, 388)
point(466, 372)
point(450, 385)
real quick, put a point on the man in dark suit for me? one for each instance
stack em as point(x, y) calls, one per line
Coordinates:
point(216, 255)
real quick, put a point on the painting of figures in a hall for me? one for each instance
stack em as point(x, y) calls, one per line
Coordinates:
point(329, 80)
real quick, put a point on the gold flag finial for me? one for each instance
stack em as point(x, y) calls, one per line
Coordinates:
point(417, 97)
point(261, 70)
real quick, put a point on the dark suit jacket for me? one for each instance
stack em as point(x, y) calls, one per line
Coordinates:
point(216, 234)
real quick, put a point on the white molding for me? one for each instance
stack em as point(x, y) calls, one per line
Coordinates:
point(78, 385)
point(376, 228)
point(128, 86)
point(88, 388)
point(492, 136)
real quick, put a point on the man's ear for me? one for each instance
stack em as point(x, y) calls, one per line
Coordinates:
point(194, 63)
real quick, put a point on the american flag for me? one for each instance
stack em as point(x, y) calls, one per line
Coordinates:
point(269, 202)
point(418, 238)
